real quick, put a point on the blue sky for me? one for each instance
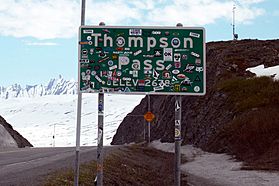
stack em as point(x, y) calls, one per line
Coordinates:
point(38, 38)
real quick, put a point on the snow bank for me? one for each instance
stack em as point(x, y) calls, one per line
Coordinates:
point(261, 71)
point(6, 140)
point(205, 168)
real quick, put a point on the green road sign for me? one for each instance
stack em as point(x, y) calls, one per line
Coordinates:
point(140, 60)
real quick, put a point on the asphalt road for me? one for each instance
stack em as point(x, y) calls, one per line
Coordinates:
point(28, 166)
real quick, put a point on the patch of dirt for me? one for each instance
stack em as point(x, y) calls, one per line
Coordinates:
point(252, 137)
point(135, 165)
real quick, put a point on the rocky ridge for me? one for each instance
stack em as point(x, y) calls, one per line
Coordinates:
point(202, 117)
point(19, 139)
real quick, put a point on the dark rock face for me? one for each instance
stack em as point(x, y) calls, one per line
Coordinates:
point(201, 116)
point(20, 140)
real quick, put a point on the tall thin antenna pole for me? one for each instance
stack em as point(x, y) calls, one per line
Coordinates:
point(233, 25)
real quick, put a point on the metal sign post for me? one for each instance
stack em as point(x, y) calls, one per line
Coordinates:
point(78, 139)
point(76, 177)
point(144, 130)
point(149, 116)
point(177, 135)
point(148, 109)
point(100, 157)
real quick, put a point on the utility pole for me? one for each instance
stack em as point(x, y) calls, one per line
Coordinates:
point(53, 135)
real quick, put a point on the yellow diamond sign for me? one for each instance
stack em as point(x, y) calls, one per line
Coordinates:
point(149, 116)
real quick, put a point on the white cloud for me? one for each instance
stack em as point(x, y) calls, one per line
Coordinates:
point(49, 19)
point(202, 12)
point(112, 12)
point(44, 19)
point(190, 13)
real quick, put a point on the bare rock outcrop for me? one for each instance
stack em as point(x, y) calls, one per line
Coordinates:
point(18, 138)
point(202, 116)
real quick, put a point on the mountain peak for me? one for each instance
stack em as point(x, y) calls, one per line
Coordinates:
point(55, 86)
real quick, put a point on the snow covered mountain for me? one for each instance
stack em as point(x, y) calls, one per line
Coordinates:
point(56, 86)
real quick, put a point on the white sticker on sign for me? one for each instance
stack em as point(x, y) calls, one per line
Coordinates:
point(177, 133)
point(88, 31)
point(194, 34)
point(137, 52)
point(135, 32)
point(168, 67)
point(195, 54)
point(197, 89)
point(113, 67)
point(168, 54)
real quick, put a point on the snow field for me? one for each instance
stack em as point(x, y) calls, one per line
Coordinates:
point(39, 119)
point(205, 168)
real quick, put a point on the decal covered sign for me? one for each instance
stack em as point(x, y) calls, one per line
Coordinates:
point(139, 60)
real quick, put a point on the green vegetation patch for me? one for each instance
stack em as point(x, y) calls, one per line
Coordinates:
point(253, 135)
point(66, 176)
point(134, 165)
point(251, 93)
